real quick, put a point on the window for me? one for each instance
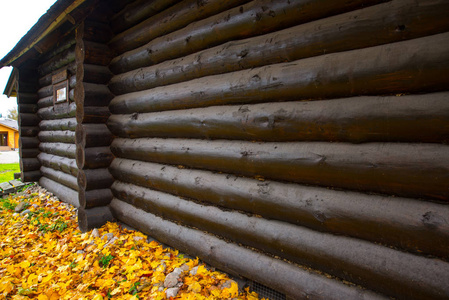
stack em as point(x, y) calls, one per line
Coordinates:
point(3, 139)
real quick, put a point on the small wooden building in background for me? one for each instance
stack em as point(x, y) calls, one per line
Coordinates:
point(9, 134)
point(299, 144)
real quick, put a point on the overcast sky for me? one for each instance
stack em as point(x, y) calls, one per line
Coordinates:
point(16, 18)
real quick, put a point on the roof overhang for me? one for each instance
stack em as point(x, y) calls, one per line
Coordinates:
point(11, 86)
point(52, 19)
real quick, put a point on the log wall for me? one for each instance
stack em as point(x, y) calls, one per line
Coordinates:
point(311, 131)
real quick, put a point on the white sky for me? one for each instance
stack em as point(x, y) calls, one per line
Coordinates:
point(16, 18)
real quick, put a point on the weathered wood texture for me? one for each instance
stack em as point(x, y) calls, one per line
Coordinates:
point(402, 274)
point(334, 34)
point(94, 217)
point(169, 20)
point(410, 170)
point(64, 193)
point(59, 111)
point(60, 177)
point(60, 136)
point(417, 226)
point(94, 179)
point(59, 163)
point(413, 118)
point(93, 158)
point(93, 135)
point(64, 124)
point(60, 149)
point(419, 65)
point(256, 17)
point(294, 281)
point(95, 198)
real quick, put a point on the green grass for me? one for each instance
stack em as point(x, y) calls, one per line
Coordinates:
point(7, 171)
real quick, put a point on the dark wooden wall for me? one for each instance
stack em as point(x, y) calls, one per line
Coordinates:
point(311, 131)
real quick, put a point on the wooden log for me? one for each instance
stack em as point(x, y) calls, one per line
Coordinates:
point(92, 114)
point(29, 153)
point(94, 53)
point(45, 102)
point(92, 135)
point(137, 12)
point(60, 177)
point(60, 111)
point(64, 193)
point(93, 158)
point(95, 198)
point(94, 179)
point(60, 136)
point(27, 108)
point(413, 118)
point(58, 61)
point(27, 81)
point(253, 18)
point(61, 124)
point(58, 163)
point(294, 281)
point(90, 94)
point(96, 31)
point(29, 164)
point(344, 32)
point(409, 170)
point(93, 74)
point(27, 98)
point(394, 221)
point(32, 176)
point(28, 142)
point(28, 119)
point(351, 259)
point(45, 91)
point(410, 66)
point(173, 18)
point(60, 149)
point(94, 217)
point(28, 131)
point(47, 79)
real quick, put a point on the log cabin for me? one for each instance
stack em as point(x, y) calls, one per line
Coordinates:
point(299, 144)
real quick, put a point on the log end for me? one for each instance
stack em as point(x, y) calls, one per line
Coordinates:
point(94, 217)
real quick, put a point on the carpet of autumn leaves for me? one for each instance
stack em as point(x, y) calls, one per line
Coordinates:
point(44, 256)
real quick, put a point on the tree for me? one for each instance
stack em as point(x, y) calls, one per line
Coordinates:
point(12, 114)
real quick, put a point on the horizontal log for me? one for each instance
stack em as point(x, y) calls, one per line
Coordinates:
point(351, 259)
point(61, 124)
point(28, 142)
point(292, 280)
point(27, 98)
point(60, 149)
point(93, 158)
point(64, 193)
point(27, 108)
point(58, 163)
point(95, 198)
point(94, 179)
point(45, 91)
point(28, 131)
point(410, 66)
point(64, 45)
point(253, 18)
point(416, 226)
point(28, 119)
point(60, 177)
point(87, 52)
point(59, 111)
point(58, 61)
point(413, 118)
point(378, 25)
point(45, 102)
point(29, 153)
point(94, 217)
point(32, 176)
point(60, 136)
point(93, 74)
point(96, 31)
point(409, 170)
point(47, 79)
point(137, 12)
point(29, 164)
point(92, 114)
point(91, 94)
point(93, 135)
point(173, 18)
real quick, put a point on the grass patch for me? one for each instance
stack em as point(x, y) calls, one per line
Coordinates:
point(7, 171)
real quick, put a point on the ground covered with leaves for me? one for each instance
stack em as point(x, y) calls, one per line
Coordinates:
point(44, 256)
